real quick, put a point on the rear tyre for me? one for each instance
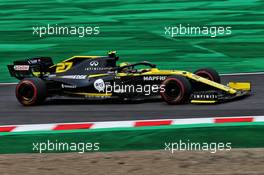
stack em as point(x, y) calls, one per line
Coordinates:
point(31, 91)
point(209, 74)
point(176, 89)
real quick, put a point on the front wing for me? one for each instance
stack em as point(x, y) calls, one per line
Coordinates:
point(243, 89)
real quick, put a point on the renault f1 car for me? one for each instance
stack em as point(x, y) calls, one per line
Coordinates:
point(101, 77)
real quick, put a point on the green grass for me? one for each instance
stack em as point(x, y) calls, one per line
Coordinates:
point(136, 30)
point(240, 135)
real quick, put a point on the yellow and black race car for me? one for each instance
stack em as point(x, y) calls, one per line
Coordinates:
point(100, 77)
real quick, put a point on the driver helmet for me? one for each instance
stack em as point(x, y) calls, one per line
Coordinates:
point(124, 64)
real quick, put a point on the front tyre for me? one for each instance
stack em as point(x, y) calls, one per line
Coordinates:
point(176, 89)
point(31, 91)
point(209, 74)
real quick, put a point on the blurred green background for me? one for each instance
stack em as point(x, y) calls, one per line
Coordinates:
point(135, 29)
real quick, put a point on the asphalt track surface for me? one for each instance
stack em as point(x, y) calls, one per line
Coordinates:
point(60, 111)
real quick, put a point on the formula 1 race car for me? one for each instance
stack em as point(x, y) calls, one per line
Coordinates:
point(100, 77)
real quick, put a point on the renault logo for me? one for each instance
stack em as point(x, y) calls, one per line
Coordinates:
point(94, 63)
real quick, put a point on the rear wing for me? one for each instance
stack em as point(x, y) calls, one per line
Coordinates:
point(34, 67)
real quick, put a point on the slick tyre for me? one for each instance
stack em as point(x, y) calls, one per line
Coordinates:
point(176, 90)
point(31, 91)
point(209, 74)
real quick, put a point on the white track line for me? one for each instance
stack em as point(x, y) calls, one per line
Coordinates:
point(3, 84)
point(249, 73)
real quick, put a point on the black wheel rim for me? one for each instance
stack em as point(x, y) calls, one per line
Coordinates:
point(26, 92)
point(172, 90)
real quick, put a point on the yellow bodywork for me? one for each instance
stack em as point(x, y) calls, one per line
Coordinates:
point(91, 94)
point(189, 75)
point(203, 101)
point(231, 88)
point(240, 85)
